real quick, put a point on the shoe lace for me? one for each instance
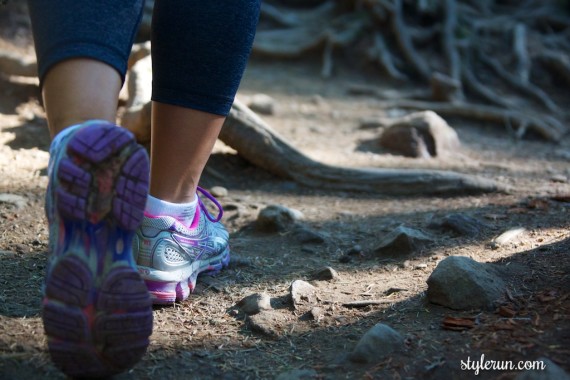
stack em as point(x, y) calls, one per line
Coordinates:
point(214, 201)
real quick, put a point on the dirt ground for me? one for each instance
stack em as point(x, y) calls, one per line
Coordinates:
point(206, 337)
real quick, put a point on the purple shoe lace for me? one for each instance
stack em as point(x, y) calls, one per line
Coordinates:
point(214, 201)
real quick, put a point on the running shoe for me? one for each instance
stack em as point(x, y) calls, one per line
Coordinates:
point(96, 310)
point(170, 256)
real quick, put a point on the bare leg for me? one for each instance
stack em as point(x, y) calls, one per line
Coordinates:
point(80, 89)
point(182, 140)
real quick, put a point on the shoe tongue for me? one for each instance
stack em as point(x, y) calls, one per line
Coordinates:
point(196, 220)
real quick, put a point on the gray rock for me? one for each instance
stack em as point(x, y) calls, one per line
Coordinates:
point(460, 224)
point(219, 191)
point(303, 294)
point(461, 283)
point(421, 134)
point(550, 372)
point(13, 199)
point(308, 236)
point(402, 241)
point(271, 323)
point(263, 104)
point(317, 313)
point(298, 374)
point(255, 303)
point(277, 218)
point(378, 342)
point(326, 274)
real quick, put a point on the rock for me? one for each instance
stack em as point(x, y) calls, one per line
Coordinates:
point(507, 237)
point(402, 241)
point(298, 374)
point(355, 250)
point(560, 178)
point(303, 294)
point(378, 342)
point(307, 236)
point(461, 283)
point(460, 224)
point(276, 218)
point(255, 303)
point(269, 322)
point(550, 372)
point(262, 103)
point(17, 200)
point(219, 191)
point(317, 313)
point(326, 274)
point(421, 134)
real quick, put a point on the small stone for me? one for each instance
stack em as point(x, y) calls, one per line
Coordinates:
point(550, 372)
point(16, 200)
point(307, 236)
point(219, 191)
point(263, 104)
point(277, 218)
point(402, 241)
point(317, 313)
point(507, 237)
point(421, 266)
point(326, 274)
point(462, 283)
point(460, 224)
point(378, 342)
point(298, 374)
point(302, 294)
point(255, 303)
point(269, 322)
point(355, 250)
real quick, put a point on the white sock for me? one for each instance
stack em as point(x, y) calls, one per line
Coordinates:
point(183, 212)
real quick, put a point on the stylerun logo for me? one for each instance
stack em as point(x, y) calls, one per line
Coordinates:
point(500, 365)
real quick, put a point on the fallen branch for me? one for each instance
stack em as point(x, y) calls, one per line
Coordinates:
point(521, 54)
point(259, 144)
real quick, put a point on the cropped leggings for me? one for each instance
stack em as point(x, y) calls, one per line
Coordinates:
point(199, 48)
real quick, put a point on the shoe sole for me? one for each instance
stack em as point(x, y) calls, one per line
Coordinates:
point(163, 293)
point(97, 312)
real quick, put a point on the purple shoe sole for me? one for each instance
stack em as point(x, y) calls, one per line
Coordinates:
point(97, 311)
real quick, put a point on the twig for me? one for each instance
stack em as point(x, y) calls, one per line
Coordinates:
point(383, 56)
point(405, 41)
point(326, 70)
point(365, 303)
point(521, 53)
point(524, 86)
point(448, 40)
point(557, 62)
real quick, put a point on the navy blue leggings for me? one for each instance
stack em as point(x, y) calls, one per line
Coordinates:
point(199, 47)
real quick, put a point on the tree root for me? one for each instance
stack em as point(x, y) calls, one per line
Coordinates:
point(549, 128)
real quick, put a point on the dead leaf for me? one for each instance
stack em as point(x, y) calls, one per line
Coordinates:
point(458, 324)
point(505, 311)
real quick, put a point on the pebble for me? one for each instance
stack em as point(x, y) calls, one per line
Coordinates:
point(460, 224)
point(271, 323)
point(377, 343)
point(13, 199)
point(277, 218)
point(255, 303)
point(402, 241)
point(507, 237)
point(302, 293)
point(263, 104)
point(308, 236)
point(317, 313)
point(461, 283)
point(326, 274)
point(219, 191)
